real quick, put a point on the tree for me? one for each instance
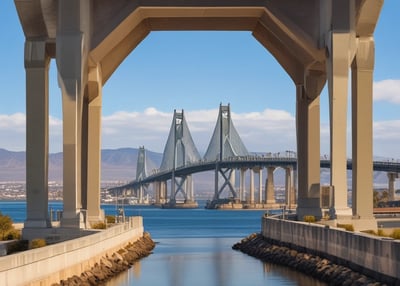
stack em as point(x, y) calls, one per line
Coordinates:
point(6, 225)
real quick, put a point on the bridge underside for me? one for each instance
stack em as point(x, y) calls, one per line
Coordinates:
point(314, 41)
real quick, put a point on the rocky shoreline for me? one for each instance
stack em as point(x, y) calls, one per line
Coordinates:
point(110, 266)
point(320, 268)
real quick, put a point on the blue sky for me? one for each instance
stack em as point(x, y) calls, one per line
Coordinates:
point(196, 71)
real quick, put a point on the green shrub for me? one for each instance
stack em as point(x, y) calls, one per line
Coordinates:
point(13, 234)
point(110, 219)
point(6, 225)
point(348, 227)
point(37, 243)
point(395, 234)
point(381, 232)
point(369, 231)
point(309, 218)
point(99, 225)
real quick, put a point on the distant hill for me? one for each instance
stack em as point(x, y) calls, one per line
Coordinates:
point(117, 165)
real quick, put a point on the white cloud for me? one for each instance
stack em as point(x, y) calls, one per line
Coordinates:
point(266, 131)
point(387, 90)
point(14, 122)
point(151, 127)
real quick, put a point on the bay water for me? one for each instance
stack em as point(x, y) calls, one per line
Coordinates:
point(193, 247)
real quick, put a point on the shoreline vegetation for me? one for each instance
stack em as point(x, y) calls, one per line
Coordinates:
point(110, 266)
point(313, 265)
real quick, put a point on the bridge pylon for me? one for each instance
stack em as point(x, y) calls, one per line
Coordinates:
point(225, 143)
point(179, 152)
point(141, 173)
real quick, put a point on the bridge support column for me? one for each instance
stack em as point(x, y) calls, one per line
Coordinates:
point(242, 185)
point(156, 188)
point(392, 178)
point(37, 135)
point(362, 168)
point(288, 186)
point(251, 186)
point(233, 182)
point(270, 195)
point(189, 189)
point(72, 51)
point(91, 147)
point(308, 145)
point(341, 45)
point(162, 191)
point(260, 186)
point(293, 197)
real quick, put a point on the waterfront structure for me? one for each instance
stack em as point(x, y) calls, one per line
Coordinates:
point(315, 42)
point(178, 152)
point(225, 154)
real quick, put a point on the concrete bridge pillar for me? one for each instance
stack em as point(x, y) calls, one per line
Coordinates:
point(260, 186)
point(270, 194)
point(293, 197)
point(91, 147)
point(189, 189)
point(242, 185)
point(288, 185)
point(163, 192)
point(251, 186)
point(341, 49)
point(232, 180)
point(37, 134)
point(140, 193)
point(362, 169)
point(308, 144)
point(392, 178)
point(156, 188)
point(72, 44)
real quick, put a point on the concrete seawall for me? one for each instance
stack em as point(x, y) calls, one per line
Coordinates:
point(50, 264)
point(374, 256)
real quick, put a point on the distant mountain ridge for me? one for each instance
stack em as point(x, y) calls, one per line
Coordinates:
point(116, 164)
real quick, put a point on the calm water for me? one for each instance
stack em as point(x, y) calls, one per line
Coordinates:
point(193, 248)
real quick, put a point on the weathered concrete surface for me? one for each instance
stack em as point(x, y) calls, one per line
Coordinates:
point(375, 256)
point(53, 263)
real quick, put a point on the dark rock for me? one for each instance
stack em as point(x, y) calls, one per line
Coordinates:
point(319, 267)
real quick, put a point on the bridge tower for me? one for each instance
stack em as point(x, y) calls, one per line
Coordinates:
point(180, 151)
point(141, 173)
point(225, 143)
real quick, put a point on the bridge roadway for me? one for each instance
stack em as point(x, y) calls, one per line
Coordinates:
point(248, 162)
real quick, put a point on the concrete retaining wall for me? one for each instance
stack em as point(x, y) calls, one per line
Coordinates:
point(50, 264)
point(370, 254)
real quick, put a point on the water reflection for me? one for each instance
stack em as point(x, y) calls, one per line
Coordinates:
point(206, 261)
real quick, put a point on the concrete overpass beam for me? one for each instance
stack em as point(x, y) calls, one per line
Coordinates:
point(37, 134)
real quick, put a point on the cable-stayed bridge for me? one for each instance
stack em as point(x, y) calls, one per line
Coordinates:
point(226, 155)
